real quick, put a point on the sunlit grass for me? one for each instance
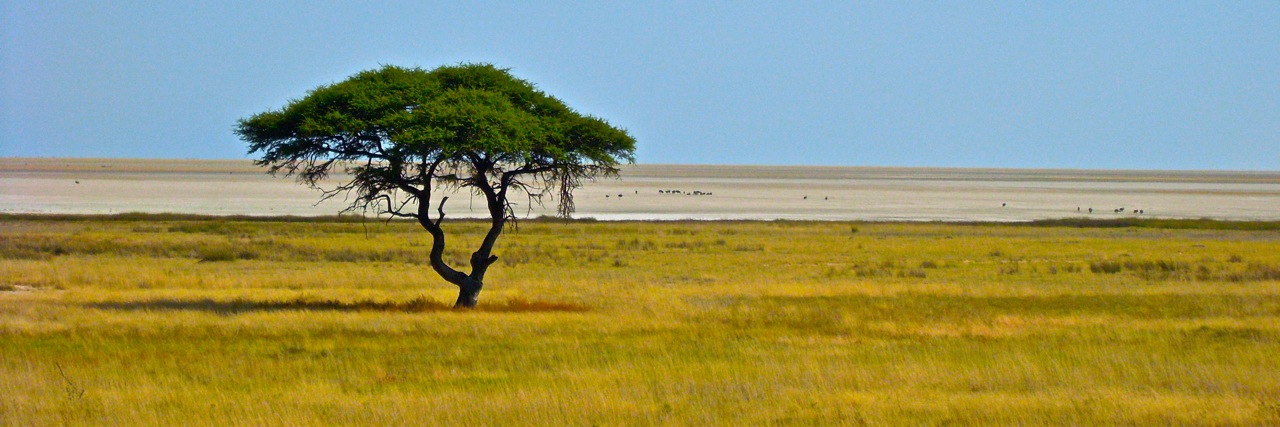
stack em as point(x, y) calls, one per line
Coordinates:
point(207, 321)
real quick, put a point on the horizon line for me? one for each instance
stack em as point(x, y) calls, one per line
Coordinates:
point(749, 165)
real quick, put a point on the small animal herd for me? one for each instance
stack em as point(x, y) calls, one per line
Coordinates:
point(701, 193)
point(690, 193)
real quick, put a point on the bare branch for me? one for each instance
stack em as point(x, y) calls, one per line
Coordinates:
point(440, 209)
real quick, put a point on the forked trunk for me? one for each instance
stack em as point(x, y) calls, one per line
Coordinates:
point(469, 285)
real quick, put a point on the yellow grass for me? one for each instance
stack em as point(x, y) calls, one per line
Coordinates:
point(165, 320)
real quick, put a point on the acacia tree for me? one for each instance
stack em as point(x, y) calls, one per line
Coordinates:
point(396, 135)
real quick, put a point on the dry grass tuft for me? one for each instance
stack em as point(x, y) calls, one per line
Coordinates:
point(416, 305)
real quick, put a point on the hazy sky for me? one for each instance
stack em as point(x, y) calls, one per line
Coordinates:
point(1066, 84)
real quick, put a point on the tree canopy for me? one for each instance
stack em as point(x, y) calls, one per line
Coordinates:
point(401, 130)
point(401, 133)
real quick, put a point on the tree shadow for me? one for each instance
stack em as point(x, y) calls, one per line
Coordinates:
point(416, 305)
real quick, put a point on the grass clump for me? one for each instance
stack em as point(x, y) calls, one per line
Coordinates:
point(225, 253)
point(1153, 270)
point(1173, 224)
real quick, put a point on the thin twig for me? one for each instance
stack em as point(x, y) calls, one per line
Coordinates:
point(73, 391)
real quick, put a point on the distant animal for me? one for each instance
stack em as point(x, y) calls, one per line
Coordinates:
point(1090, 210)
point(806, 197)
point(77, 181)
point(1004, 204)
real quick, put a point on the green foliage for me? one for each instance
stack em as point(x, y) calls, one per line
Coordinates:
point(400, 129)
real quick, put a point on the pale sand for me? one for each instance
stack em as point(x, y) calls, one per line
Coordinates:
point(738, 192)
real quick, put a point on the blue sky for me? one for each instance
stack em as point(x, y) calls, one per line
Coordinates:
point(1087, 85)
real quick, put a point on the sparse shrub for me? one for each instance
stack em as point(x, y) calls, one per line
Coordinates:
point(1147, 269)
point(1108, 267)
point(636, 244)
point(1257, 271)
point(224, 253)
point(1169, 269)
point(867, 271)
point(928, 264)
point(832, 272)
point(1235, 258)
point(912, 273)
point(682, 232)
point(202, 227)
point(853, 230)
point(521, 305)
point(41, 248)
point(1203, 273)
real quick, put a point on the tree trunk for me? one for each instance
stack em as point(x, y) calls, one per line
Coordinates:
point(469, 285)
point(467, 297)
point(469, 288)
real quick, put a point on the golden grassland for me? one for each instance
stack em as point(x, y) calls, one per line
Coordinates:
point(138, 320)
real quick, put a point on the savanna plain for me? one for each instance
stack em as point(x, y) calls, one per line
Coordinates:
point(164, 319)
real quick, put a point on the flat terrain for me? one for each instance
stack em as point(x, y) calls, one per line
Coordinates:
point(146, 320)
point(90, 186)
